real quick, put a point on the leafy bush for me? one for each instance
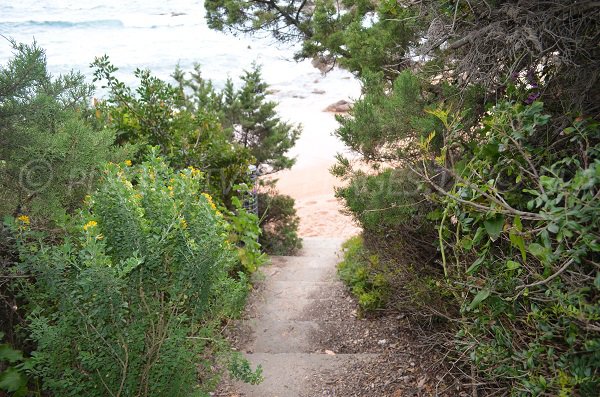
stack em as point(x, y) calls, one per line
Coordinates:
point(360, 271)
point(185, 125)
point(127, 304)
point(220, 132)
point(520, 233)
point(279, 224)
point(254, 124)
point(13, 366)
point(50, 156)
point(244, 232)
point(372, 127)
point(397, 240)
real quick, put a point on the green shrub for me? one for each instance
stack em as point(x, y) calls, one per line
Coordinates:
point(254, 124)
point(279, 224)
point(398, 241)
point(372, 127)
point(359, 270)
point(50, 156)
point(13, 367)
point(126, 305)
point(386, 201)
point(520, 234)
point(220, 132)
point(244, 232)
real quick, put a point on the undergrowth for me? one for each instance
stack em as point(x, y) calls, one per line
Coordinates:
point(359, 270)
point(131, 302)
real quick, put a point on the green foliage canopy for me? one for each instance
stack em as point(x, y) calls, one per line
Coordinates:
point(50, 155)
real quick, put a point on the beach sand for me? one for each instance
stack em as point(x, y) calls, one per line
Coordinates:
point(313, 189)
point(309, 182)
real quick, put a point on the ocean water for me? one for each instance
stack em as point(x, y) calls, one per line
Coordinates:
point(160, 34)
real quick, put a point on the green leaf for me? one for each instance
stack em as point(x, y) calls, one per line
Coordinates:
point(542, 381)
point(12, 380)
point(493, 226)
point(475, 266)
point(517, 223)
point(553, 228)
point(466, 242)
point(9, 354)
point(480, 297)
point(512, 265)
point(538, 251)
point(518, 242)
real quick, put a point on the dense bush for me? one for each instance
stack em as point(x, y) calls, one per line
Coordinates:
point(279, 223)
point(397, 248)
point(517, 230)
point(254, 124)
point(49, 154)
point(185, 127)
point(361, 271)
point(127, 304)
point(50, 157)
point(220, 132)
point(520, 232)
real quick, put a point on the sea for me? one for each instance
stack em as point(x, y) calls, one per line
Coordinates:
point(159, 35)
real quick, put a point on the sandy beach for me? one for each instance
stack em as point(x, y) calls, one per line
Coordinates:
point(313, 189)
point(309, 182)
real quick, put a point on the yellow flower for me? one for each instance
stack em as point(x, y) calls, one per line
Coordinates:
point(128, 163)
point(210, 200)
point(194, 171)
point(24, 219)
point(100, 236)
point(183, 224)
point(90, 224)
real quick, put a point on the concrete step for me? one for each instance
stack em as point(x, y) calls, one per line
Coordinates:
point(290, 309)
point(303, 273)
point(303, 261)
point(321, 247)
point(287, 374)
point(303, 290)
point(283, 337)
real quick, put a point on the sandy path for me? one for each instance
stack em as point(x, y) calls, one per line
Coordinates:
point(309, 181)
point(313, 189)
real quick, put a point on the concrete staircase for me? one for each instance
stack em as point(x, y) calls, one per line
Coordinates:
point(284, 321)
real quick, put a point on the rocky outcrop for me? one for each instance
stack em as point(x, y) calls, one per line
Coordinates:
point(340, 106)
